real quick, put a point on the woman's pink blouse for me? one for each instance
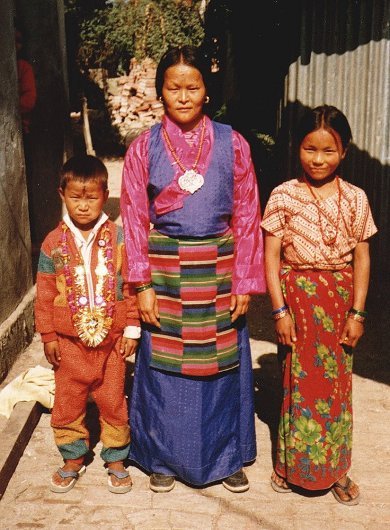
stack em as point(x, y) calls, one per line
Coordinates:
point(248, 273)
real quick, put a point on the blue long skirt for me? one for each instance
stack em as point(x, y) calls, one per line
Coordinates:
point(200, 430)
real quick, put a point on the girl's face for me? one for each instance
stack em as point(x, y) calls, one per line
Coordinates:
point(184, 93)
point(321, 152)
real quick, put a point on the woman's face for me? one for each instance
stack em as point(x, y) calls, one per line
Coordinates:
point(184, 93)
point(320, 153)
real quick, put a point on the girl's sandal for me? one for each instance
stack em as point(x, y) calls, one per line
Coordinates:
point(280, 489)
point(352, 501)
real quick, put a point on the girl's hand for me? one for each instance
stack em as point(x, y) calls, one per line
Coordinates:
point(285, 330)
point(52, 352)
point(148, 307)
point(127, 347)
point(352, 332)
point(239, 304)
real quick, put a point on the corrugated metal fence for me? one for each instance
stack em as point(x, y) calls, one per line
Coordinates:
point(345, 61)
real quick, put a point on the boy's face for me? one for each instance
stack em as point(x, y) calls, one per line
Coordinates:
point(84, 202)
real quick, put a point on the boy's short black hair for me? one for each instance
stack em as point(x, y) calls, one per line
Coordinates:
point(84, 168)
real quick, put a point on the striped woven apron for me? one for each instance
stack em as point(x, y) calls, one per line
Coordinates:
point(192, 280)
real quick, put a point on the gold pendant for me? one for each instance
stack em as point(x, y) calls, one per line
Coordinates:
point(92, 326)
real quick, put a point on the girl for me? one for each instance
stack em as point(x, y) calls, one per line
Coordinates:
point(317, 227)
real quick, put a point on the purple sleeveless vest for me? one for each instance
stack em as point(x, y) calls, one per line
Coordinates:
point(208, 211)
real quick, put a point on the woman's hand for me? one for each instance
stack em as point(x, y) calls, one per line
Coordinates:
point(52, 352)
point(351, 333)
point(127, 347)
point(239, 304)
point(285, 330)
point(148, 307)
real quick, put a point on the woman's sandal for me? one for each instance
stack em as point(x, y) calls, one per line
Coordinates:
point(352, 500)
point(119, 475)
point(280, 489)
point(57, 488)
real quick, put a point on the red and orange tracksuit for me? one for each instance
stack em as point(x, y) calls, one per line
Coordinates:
point(83, 370)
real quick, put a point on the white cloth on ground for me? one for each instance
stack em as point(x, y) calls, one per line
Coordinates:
point(34, 384)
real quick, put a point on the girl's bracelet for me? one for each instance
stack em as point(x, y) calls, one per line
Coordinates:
point(355, 316)
point(143, 287)
point(280, 315)
point(280, 310)
point(354, 311)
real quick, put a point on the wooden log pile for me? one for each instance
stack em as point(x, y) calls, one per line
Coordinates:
point(132, 99)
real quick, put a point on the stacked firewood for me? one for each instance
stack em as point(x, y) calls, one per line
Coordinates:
point(132, 99)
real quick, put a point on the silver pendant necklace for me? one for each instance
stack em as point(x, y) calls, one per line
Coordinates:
point(190, 180)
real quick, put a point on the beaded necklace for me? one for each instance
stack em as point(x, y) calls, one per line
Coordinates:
point(328, 239)
point(91, 318)
point(190, 180)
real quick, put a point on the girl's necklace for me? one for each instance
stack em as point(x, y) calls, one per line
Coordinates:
point(190, 180)
point(329, 233)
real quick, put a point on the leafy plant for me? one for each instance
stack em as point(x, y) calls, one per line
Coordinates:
point(136, 28)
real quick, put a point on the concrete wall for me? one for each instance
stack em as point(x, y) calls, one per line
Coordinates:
point(28, 170)
point(343, 60)
point(15, 247)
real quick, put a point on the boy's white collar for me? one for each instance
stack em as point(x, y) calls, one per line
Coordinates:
point(68, 221)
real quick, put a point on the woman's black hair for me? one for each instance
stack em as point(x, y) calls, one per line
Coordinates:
point(327, 117)
point(189, 55)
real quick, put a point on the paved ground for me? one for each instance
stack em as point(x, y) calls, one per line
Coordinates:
point(27, 502)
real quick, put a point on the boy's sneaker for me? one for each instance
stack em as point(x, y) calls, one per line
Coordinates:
point(161, 483)
point(237, 483)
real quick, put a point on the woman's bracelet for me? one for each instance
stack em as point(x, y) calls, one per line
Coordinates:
point(143, 287)
point(280, 310)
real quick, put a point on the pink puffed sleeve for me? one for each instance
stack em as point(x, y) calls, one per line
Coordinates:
point(248, 273)
point(134, 204)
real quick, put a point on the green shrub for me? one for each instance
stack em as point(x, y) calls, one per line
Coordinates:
point(136, 28)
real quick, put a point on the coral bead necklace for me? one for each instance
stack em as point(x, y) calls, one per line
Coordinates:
point(329, 233)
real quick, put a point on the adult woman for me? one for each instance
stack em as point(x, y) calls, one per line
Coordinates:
point(192, 413)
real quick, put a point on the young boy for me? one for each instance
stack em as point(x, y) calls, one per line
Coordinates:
point(88, 322)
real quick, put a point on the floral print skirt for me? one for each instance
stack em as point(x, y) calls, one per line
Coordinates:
point(315, 428)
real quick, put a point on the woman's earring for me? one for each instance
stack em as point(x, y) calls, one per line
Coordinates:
point(206, 100)
point(160, 99)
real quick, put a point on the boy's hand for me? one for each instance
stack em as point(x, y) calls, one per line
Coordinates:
point(128, 347)
point(52, 352)
point(352, 332)
point(285, 330)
